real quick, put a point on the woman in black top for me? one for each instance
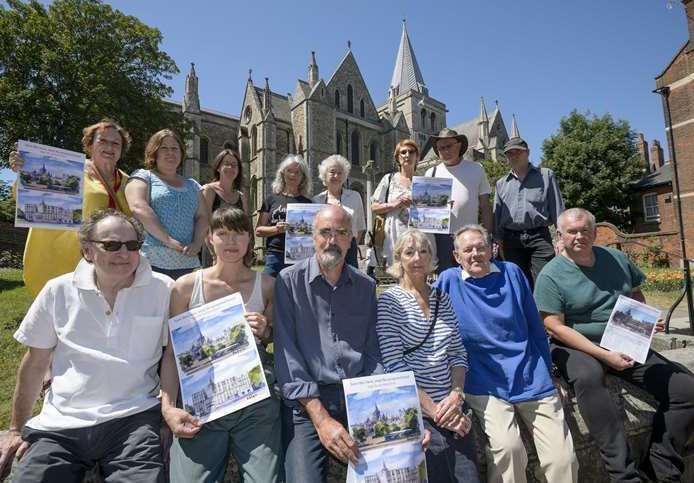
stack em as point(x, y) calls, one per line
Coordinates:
point(292, 184)
point(225, 190)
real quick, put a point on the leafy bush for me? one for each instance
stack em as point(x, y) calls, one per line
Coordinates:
point(10, 259)
point(663, 279)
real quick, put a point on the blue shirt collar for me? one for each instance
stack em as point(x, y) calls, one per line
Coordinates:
point(531, 167)
point(314, 272)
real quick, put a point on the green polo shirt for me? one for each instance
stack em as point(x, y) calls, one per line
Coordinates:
point(586, 295)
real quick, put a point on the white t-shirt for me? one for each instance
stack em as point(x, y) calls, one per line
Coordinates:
point(104, 361)
point(351, 201)
point(469, 182)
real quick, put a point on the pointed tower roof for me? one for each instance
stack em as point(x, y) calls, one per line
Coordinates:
point(514, 128)
point(313, 71)
point(191, 98)
point(406, 74)
point(483, 122)
point(267, 96)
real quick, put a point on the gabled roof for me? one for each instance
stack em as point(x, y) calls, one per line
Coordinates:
point(406, 74)
point(280, 104)
point(659, 177)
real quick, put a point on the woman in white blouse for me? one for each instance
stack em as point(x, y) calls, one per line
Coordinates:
point(333, 172)
point(418, 331)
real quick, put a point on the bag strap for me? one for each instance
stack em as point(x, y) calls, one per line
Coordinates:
point(433, 173)
point(390, 178)
point(437, 292)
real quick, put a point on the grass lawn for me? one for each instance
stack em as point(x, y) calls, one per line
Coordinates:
point(14, 302)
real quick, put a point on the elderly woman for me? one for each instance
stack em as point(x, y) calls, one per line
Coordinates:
point(333, 172)
point(393, 197)
point(509, 376)
point(104, 187)
point(100, 330)
point(418, 331)
point(225, 190)
point(200, 452)
point(170, 207)
point(292, 184)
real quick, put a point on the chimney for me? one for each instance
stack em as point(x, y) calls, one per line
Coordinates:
point(656, 155)
point(642, 146)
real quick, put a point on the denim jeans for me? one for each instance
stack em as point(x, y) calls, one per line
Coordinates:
point(305, 458)
point(274, 263)
point(450, 458)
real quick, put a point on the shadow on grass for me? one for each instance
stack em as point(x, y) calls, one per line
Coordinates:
point(10, 284)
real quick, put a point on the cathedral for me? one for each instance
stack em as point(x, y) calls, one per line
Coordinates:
point(324, 117)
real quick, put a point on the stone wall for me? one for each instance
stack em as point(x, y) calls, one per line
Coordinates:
point(637, 243)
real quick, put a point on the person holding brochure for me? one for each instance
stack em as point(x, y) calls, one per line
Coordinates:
point(292, 184)
point(576, 292)
point(333, 172)
point(100, 330)
point(325, 331)
point(418, 331)
point(509, 376)
point(171, 207)
point(201, 453)
point(104, 187)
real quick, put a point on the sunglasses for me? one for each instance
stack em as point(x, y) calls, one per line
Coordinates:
point(114, 246)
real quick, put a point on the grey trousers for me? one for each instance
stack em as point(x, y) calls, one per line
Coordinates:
point(127, 449)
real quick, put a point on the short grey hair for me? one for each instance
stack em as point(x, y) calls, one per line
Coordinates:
point(416, 237)
point(576, 213)
point(88, 225)
point(471, 227)
point(279, 185)
point(329, 162)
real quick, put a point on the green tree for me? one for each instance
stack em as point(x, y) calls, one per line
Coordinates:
point(74, 62)
point(7, 204)
point(255, 375)
point(494, 170)
point(594, 159)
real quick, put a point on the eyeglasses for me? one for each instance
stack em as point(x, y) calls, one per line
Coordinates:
point(114, 246)
point(408, 151)
point(446, 147)
point(338, 232)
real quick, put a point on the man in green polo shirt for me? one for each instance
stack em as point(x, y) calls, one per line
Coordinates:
point(575, 293)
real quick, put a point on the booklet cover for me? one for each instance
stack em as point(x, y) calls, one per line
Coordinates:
point(49, 187)
point(219, 367)
point(630, 328)
point(431, 210)
point(385, 419)
point(298, 239)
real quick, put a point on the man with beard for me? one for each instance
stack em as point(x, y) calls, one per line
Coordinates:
point(325, 331)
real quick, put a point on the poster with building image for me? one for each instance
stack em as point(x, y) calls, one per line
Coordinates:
point(298, 239)
point(431, 211)
point(218, 363)
point(630, 328)
point(49, 187)
point(385, 420)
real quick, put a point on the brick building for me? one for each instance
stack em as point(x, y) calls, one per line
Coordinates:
point(678, 75)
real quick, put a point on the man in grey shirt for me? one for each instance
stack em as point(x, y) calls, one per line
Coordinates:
point(527, 201)
point(325, 331)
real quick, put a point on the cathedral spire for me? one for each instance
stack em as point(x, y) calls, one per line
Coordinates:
point(514, 128)
point(267, 96)
point(483, 139)
point(406, 74)
point(313, 71)
point(191, 99)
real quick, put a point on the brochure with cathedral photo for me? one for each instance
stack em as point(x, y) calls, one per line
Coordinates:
point(218, 363)
point(49, 187)
point(431, 209)
point(630, 328)
point(385, 420)
point(298, 239)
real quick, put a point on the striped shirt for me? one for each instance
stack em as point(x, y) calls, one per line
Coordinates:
point(402, 325)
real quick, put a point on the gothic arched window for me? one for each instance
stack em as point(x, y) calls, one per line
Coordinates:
point(338, 142)
point(433, 121)
point(424, 119)
point(337, 99)
point(361, 108)
point(373, 152)
point(254, 140)
point(204, 150)
point(355, 147)
point(350, 99)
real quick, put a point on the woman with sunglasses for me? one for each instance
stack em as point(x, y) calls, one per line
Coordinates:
point(393, 197)
point(200, 452)
point(170, 207)
point(104, 187)
point(225, 190)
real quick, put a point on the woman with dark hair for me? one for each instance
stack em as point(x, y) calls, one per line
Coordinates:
point(170, 207)
point(201, 451)
point(105, 143)
point(225, 190)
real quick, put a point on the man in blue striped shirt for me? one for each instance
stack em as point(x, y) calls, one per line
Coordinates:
point(509, 362)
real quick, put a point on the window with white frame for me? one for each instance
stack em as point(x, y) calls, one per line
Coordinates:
point(650, 207)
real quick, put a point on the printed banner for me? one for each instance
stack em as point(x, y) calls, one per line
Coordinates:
point(218, 362)
point(630, 328)
point(431, 209)
point(49, 187)
point(298, 239)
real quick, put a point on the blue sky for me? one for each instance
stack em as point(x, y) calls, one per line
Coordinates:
point(361, 405)
point(539, 58)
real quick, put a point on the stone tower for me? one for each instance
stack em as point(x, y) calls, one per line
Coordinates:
point(191, 111)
